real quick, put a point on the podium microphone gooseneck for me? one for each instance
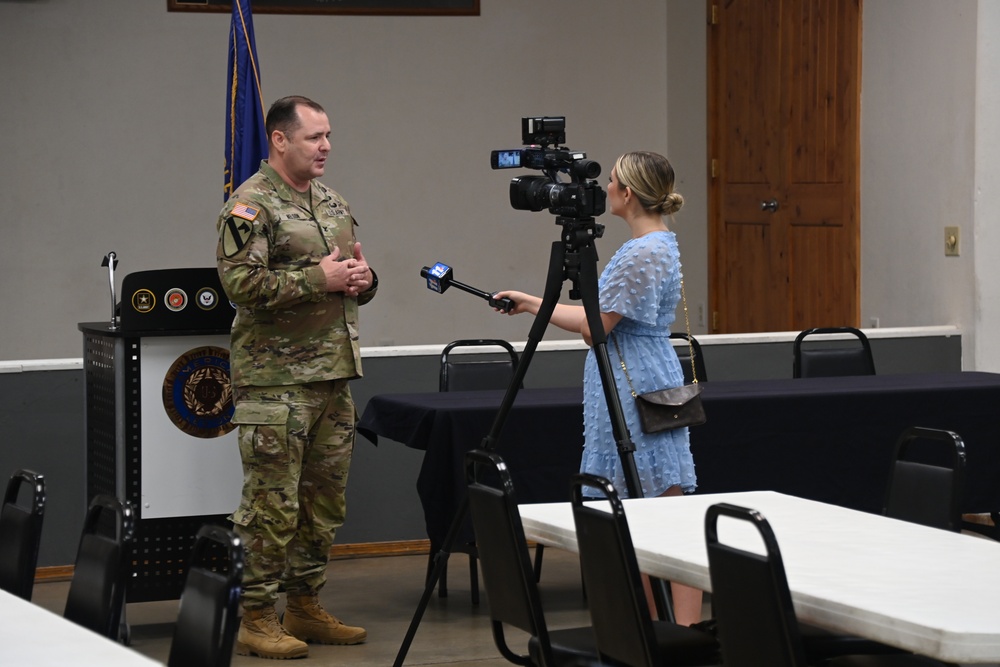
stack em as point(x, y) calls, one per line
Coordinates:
point(441, 276)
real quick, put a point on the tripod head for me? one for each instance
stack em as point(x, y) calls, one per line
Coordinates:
point(578, 234)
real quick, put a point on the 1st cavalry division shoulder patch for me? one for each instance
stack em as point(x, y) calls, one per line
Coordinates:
point(238, 226)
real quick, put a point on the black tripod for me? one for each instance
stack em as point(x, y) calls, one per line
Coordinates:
point(572, 258)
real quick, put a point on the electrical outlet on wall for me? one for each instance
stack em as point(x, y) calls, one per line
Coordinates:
point(951, 241)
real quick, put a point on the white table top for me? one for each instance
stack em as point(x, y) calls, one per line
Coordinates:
point(32, 635)
point(930, 591)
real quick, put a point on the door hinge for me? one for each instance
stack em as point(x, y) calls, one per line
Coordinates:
point(715, 320)
point(715, 168)
point(713, 15)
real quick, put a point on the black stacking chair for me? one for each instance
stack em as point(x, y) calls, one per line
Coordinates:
point(459, 374)
point(21, 532)
point(624, 631)
point(750, 598)
point(96, 598)
point(927, 491)
point(507, 572)
point(756, 621)
point(815, 360)
point(469, 375)
point(209, 611)
point(684, 349)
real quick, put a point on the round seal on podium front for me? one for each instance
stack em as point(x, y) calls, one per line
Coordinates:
point(198, 394)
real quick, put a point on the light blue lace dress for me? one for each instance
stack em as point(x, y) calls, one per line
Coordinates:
point(642, 282)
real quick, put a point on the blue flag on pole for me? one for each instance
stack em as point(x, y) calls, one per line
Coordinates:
point(246, 138)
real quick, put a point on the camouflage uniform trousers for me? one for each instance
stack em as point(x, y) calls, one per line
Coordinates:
point(296, 444)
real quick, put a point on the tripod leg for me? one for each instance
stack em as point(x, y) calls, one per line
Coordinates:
point(553, 288)
point(591, 306)
point(662, 598)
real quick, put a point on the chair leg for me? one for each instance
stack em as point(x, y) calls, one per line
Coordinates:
point(443, 580)
point(474, 578)
point(539, 551)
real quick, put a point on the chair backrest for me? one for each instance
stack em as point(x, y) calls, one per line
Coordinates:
point(750, 597)
point(623, 627)
point(503, 553)
point(97, 592)
point(684, 350)
point(209, 609)
point(21, 533)
point(852, 358)
point(458, 375)
point(927, 492)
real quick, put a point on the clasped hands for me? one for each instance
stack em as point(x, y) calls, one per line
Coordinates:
point(349, 275)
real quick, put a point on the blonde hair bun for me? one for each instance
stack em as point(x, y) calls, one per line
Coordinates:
point(671, 203)
point(651, 178)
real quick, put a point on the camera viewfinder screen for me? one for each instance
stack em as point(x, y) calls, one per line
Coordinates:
point(507, 159)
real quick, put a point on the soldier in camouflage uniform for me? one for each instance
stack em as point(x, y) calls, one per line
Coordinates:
point(289, 261)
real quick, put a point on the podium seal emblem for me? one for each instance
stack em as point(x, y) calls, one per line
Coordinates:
point(197, 393)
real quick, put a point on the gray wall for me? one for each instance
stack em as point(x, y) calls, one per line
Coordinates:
point(115, 117)
point(119, 110)
point(42, 418)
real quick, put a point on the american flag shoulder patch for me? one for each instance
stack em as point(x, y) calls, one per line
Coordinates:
point(245, 211)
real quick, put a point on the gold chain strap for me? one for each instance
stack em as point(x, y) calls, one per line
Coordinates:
point(687, 325)
point(621, 360)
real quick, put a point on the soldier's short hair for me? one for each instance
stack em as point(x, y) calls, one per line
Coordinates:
point(284, 115)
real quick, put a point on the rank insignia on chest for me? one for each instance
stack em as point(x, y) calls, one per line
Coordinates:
point(336, 207)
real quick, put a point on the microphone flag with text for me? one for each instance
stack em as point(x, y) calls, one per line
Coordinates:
point(441, 276)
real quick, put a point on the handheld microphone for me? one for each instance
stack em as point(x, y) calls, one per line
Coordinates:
point(441, 276)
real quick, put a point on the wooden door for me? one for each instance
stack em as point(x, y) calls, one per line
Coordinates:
point(784, 98)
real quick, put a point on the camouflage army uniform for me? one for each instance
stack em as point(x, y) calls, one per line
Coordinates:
point(294, 347)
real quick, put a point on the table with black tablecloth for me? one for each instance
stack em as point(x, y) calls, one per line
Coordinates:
point(541, 442)
point(826, 439)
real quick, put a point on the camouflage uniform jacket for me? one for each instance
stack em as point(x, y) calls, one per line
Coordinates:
point(288, 329)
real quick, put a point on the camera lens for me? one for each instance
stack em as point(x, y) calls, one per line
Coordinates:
point(586, 168)
point(530, 193)
point(534, 193)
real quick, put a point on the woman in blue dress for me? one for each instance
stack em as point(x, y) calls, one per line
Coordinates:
point(639, 291)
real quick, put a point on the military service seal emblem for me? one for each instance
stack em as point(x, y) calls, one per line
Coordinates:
point(197, 393)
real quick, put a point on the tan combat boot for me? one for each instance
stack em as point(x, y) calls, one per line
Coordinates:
point(306, 619)
point(261, 634)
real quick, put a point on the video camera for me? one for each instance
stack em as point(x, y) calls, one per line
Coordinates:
point(579, 198)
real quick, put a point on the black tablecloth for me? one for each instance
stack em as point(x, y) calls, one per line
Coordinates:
point(827, 439)
point(541, 443)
